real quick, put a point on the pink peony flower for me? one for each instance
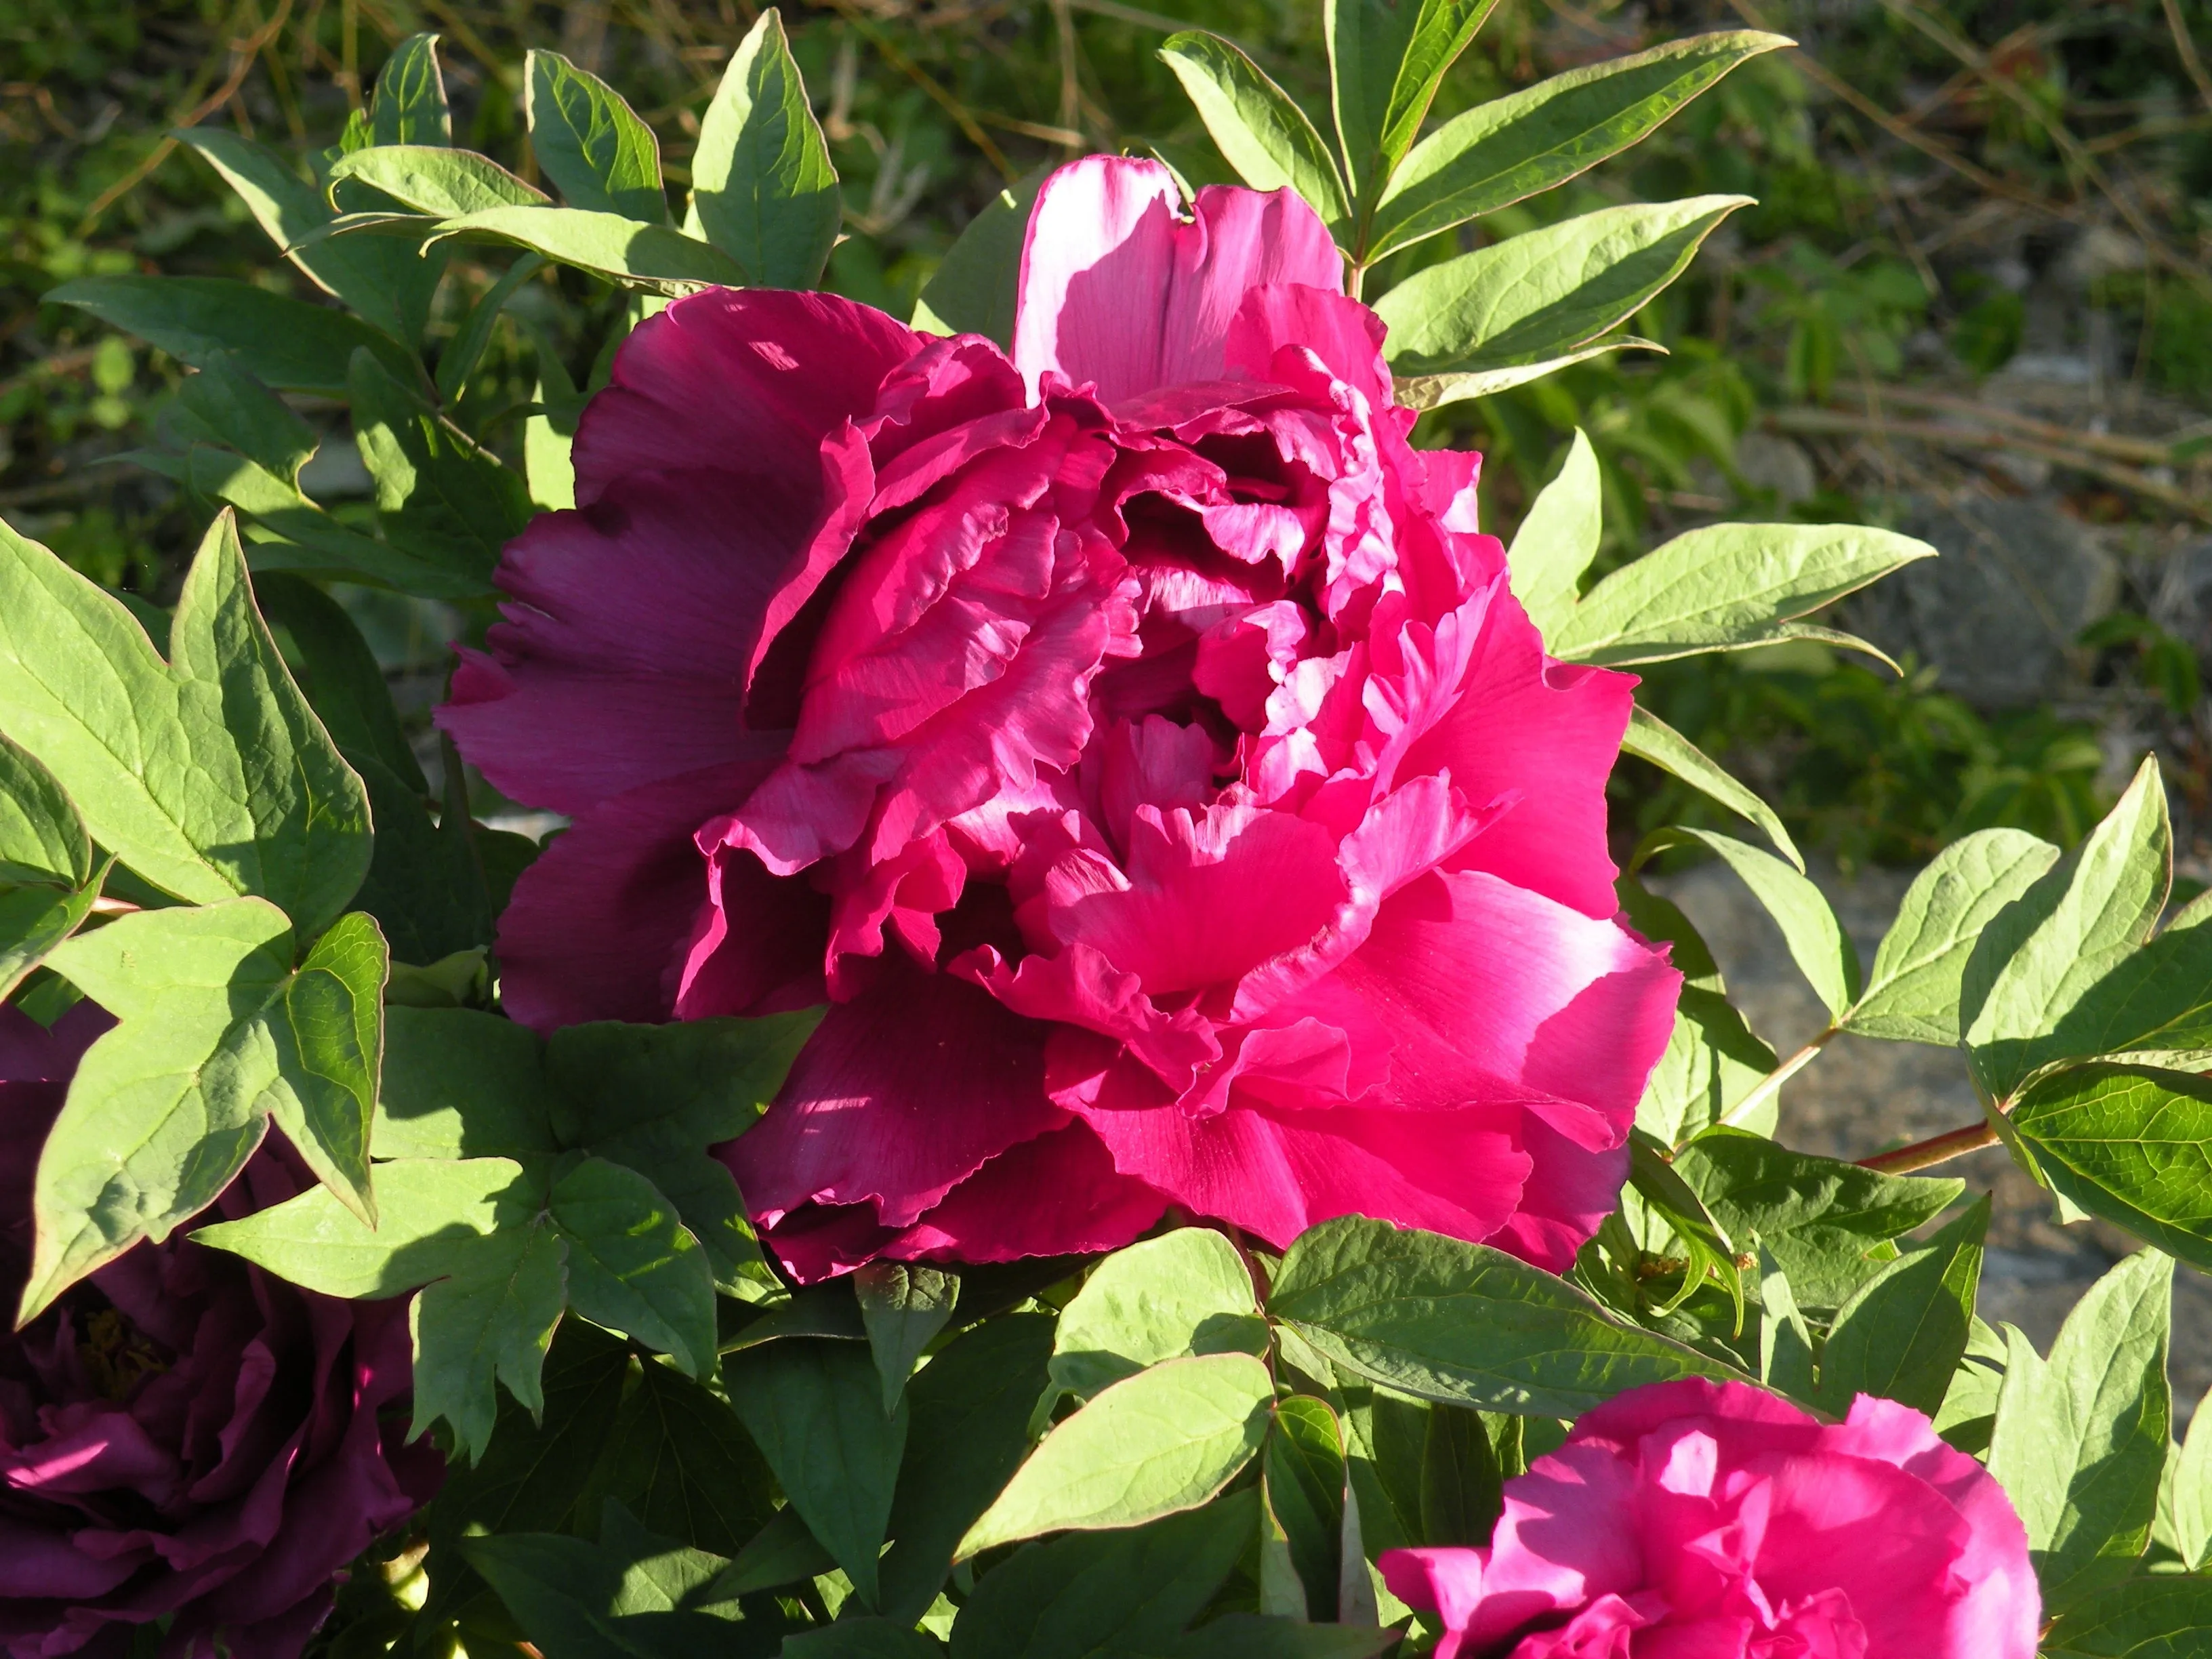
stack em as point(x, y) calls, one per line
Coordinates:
point(182, 1436)
point(1133, 739)
point(1700, 1520)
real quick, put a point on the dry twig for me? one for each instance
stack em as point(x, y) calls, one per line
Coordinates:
point(1828, 421)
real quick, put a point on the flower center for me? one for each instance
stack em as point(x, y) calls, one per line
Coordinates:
point(116, 1356)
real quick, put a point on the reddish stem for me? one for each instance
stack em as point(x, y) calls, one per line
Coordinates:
point(1956, 1142)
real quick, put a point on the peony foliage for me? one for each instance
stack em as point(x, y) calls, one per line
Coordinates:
point(1082, 1079)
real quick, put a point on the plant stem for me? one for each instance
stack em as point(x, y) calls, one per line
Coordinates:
point(1923, 1154)
point(1769, 1085)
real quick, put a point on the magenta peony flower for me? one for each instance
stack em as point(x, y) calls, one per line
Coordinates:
point(182, 1435)
point(1700, 1520)
point(1133, 738)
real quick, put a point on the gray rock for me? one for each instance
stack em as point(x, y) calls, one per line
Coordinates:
point(1997, 613)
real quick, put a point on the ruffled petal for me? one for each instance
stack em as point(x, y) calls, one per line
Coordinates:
point(636, 624)
point(1477, 981)
point(2003, 1610)
point(1276, 1173)
point(901, 1093)
point(1342, 333)
point(747, 381)
point(1548, 733)
point(600, 927)
point(1057, 1194)
point(1489, 977)
point(1120, 292)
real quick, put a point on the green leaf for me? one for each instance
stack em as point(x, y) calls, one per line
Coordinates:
point(1558, 538)
point(230, 406)
point(2130, 1143)
point(329, 1038)
point(967, 1434)
point(434, 1216)
point(594, 148)
point(1166, 1439)
point(1727, 587)
point(1093, 1593)
point(1535, 296)
point(340, 674)
point(762, 189)
point(1258, 128)
point(1386, 58)
point(491, 1320)
point(208, 777)
point(815, 1410)
point(863, 1638)
point(652, 257)
point(1463, 1482)
point(534, 1474)
point(1800, 1205)
point(904, 1305)
point(1970, 1403)
point(2080, 1441)
point(1304, 1478)
point(2162, 1617)
point(433, 179)
point(380, 279)
point(1464, 1324)
point(459, 359)
point(631, 1091)
point(35, 919)
point(1903, 1333)
point(548, 437)
point(1252, 1636)
point(407, 106)
point(654, 1097)
point(1818, 944)
point(1514, 147)
point(165, 1108)
point(506, 1255)
point(1185, 1293)
point(1426, 391)
point(1711, 1061)
point(426, 886)
point(1912, 993)
point(290, 344)
point(631, 1596)
point(1386, 1446)
point(2185, 1500)
point(680, 1461)
point(311, 538)
point(2154, 1005)
point(2043, 953)
point(439, 497)
point(461, 1085)
point(1674, 1201)
point(1648, 738)
point(633, 1266)
point(975, 287)
point(42, 839)
point(782, 1553)
point(1785, 1341)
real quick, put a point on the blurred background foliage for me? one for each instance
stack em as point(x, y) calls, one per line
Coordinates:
point(1973, 293)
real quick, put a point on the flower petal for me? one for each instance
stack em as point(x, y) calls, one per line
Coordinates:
point(901, 1093)
point(599, 927)
point(746, 382)
point(1120, 292)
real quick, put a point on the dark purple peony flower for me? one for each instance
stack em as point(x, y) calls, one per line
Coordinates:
point(183, 1437)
